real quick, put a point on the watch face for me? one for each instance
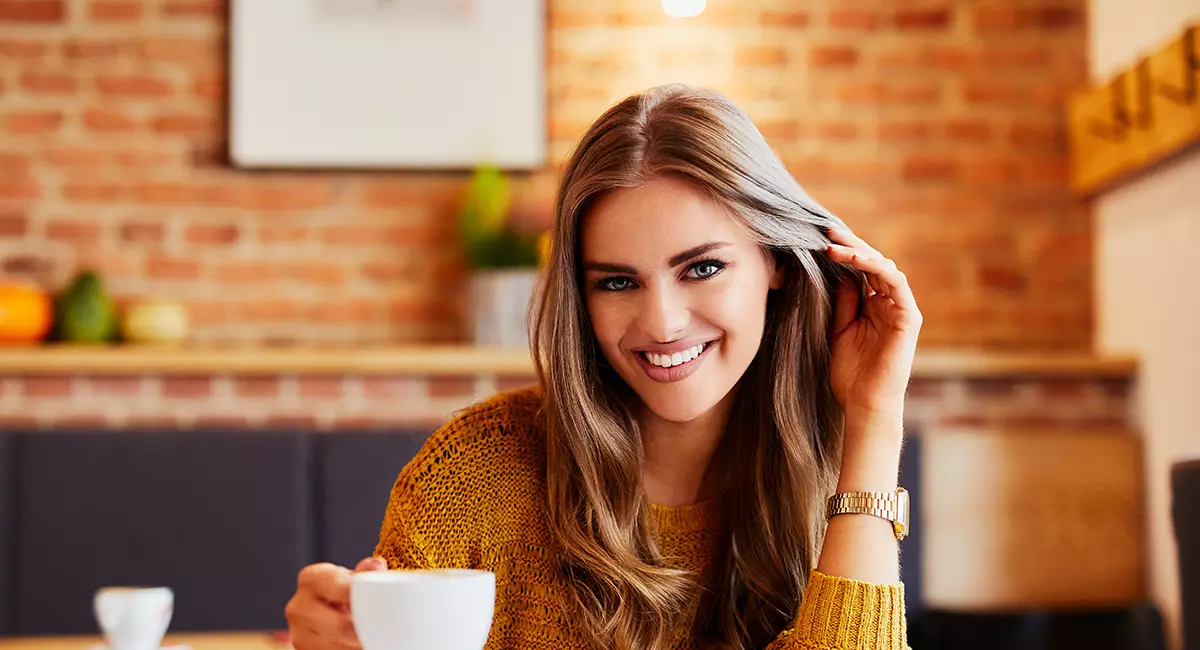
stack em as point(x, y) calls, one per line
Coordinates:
point(902, 512)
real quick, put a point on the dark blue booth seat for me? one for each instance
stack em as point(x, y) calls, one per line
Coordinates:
point(1185, 511)
point(221, 517)
point(355, 472)
point(6, 534)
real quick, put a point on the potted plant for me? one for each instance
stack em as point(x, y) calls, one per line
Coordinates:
point(502, 259)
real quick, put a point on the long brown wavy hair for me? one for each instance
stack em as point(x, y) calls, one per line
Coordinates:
point(782, 445)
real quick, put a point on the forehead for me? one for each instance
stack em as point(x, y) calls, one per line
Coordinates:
point(655, 221)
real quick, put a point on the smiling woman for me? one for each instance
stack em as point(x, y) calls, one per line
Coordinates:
point(718, 356)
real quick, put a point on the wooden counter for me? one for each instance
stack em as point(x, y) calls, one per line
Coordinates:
point(466, 360)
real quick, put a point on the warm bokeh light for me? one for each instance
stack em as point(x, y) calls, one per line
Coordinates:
point(684, 8)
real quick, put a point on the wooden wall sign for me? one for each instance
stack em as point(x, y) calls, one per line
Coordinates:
point(1141, 116)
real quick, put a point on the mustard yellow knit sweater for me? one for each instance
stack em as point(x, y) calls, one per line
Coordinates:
point(475, 495)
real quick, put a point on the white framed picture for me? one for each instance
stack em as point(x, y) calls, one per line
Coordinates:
point(426, 84)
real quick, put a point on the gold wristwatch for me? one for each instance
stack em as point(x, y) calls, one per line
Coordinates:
point(892, 506)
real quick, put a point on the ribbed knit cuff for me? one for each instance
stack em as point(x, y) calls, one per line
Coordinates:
point(844, 613)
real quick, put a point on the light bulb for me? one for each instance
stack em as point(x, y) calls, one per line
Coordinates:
point(683, 8)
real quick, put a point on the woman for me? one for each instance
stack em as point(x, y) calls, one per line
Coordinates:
point(717, 356)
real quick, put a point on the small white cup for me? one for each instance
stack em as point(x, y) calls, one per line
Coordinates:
point(134, 618)
point(439, 609)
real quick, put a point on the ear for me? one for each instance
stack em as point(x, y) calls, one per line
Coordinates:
point(778, 271)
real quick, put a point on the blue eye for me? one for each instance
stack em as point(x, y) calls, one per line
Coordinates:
point(705, 269)
point(618, 283)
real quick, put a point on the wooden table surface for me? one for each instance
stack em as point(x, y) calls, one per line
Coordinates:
point(173, 641)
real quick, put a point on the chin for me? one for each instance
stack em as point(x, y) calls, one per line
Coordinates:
point(679, 407)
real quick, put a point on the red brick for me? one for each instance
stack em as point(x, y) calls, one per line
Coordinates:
point(33, 122)
point(249, 271)
point(778, 129)
point(506, 383)
point(13, 225)
point(967, 130)
point(923, 387)
point(22, 50)
point(452, 386)
point(923, 19)
point(833, 56)
point(186, 387)
point(202, 233)
point(837, 131)
point(183, 124)
point(14, 164)
point(1060, 17)
point(208, 86)
point(94, 192)
point(359, 423)
point(141, 232)
point(159, 267)
point(785, 19)
point(321, 387)
point(929, 168)
point(346, 312)
point(115, 10)
point(19, 423)
point(32, 11)
point(214, 9)
point(19, 189)
point(47, 83)
point(134, 86)
point(886, 94)
point(75, 158)
point(393, 389)
point(116, 385)
point(93, 49)
point(48, 387)
point(318, 273)
point(256, 387)
point(760, 56)
point(155, 159)
point(903, 131)
point(1001, 277)
point(73, 230)
point(1063, 388)
point(108, 121)
point(197, 52)
point(854, 19)
point(297, 196)
point(992, 93)
point(1038, 135)
point(282, 234)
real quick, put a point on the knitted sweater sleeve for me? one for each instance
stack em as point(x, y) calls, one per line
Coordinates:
point(842, 614)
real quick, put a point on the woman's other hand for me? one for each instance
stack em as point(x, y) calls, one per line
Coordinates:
point(318, 614)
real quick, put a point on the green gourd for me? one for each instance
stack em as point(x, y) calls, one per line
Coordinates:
point(86, 314)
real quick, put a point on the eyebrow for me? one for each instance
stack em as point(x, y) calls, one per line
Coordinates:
point(676, 260)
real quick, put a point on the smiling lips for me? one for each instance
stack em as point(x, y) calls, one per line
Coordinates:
point(674, 366)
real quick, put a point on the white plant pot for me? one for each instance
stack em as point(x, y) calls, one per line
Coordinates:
point(497, 305)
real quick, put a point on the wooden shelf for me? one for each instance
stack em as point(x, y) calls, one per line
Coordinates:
point(466, 360)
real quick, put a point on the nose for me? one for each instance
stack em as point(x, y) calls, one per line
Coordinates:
point(664, 313)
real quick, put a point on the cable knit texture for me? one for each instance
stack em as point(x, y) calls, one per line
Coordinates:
point(475, 495)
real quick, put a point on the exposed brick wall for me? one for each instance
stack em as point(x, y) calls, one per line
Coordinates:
point(934, 130)
point(356, 401)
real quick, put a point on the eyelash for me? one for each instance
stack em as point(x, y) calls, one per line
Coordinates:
point(605, 284)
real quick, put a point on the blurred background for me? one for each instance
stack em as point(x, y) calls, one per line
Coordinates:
point(252, 253)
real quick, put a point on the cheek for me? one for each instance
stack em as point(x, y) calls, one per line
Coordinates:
point(606, 323)
point(739, 310)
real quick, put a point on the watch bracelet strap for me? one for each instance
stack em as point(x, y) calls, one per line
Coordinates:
point(884, 505)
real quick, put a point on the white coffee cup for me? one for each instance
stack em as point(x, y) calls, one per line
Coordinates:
point(437, 609)
point(134, 618)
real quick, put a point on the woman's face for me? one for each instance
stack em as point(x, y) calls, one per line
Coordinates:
point(677, 294)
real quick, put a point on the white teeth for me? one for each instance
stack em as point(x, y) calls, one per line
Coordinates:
point(676, 359)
